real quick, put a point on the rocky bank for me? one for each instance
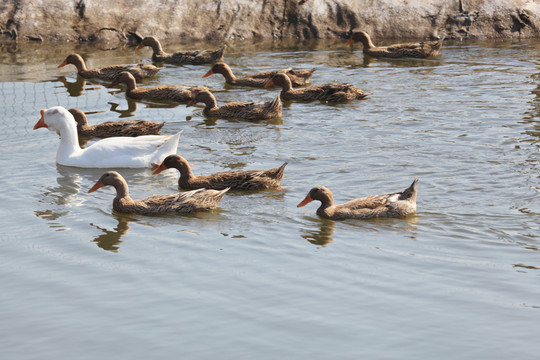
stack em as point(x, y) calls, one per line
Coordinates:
point(114, 22)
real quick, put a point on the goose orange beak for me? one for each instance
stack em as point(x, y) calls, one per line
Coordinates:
point(210, 72)
point(350, 42)
point(41, 122)
point(63, 64)
point(96, 186)
point(268, 84)
point(139, 47)
point(307, 200)
point(159, 169)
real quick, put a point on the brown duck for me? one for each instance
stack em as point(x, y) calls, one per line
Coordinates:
point(107, 129)
point(416, 50)
point(109, 72)
point(333, 93)
point(298, 77)
point(235, 180)
point(195, 57)
point(241, 110)
point(388, 205)
point(180, 203)
point(178, 93)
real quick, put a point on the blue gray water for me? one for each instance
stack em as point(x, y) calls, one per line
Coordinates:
point(260, 278)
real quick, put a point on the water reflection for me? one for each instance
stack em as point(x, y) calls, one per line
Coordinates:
point(320, 235)
point(130, 111)
point(110, 239)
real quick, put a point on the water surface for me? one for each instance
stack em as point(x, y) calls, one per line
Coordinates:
point(260, 278)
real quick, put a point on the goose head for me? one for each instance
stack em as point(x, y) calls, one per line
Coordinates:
point(54, 119)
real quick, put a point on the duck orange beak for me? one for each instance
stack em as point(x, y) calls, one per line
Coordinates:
point(139, 47)
point(41, 122)
point(63, 64)
point(210, 72)
point(307, 200)
point(350, 42)
point(96, 186)
point(159, 169)
point(268, 84)
point(191, 103)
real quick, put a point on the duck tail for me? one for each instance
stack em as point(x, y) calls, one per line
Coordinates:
point(410, 192)
point(273, 107)
point(280, 171)
point(219, 53)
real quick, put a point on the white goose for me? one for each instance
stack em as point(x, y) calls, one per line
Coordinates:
point(114, 152)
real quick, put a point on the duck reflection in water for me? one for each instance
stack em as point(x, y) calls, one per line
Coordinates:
point(110, 239)
point(130, 111)
point(321, 235)
point(77, 88)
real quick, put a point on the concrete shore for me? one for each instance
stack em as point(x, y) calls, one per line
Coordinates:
point(227, 20)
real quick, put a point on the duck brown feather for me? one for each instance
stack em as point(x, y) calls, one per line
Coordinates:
point(297, 77)
point(241, 110)
point(334, 93)
point(195, 57)
point(141, 71)
point(107, 129)
point(396, 204)
point(180, 203)
point(416, 50)
point(178, 93)
point(235, 180)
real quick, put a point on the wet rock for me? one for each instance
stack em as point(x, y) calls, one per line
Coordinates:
point(111, 23)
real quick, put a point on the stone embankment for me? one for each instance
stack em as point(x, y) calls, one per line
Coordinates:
point(115, 22)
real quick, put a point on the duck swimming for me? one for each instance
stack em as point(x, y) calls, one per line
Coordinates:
point(179, 203)
point(178, 93)
point(416, 50)
point(113, 152)
point(298, 77)
point(195, 57)
point(240, 110)
point(140, 71)
point(334, 93)
point(387, 205)
point(235, 180)
point(114, 128)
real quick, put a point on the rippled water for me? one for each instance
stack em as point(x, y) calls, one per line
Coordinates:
point(260, 278)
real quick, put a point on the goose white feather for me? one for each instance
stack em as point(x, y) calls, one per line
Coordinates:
point(114, 152)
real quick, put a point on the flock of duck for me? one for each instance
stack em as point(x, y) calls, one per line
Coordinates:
point(137, 143)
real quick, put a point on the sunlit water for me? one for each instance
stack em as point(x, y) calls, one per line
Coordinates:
point(260, 278)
